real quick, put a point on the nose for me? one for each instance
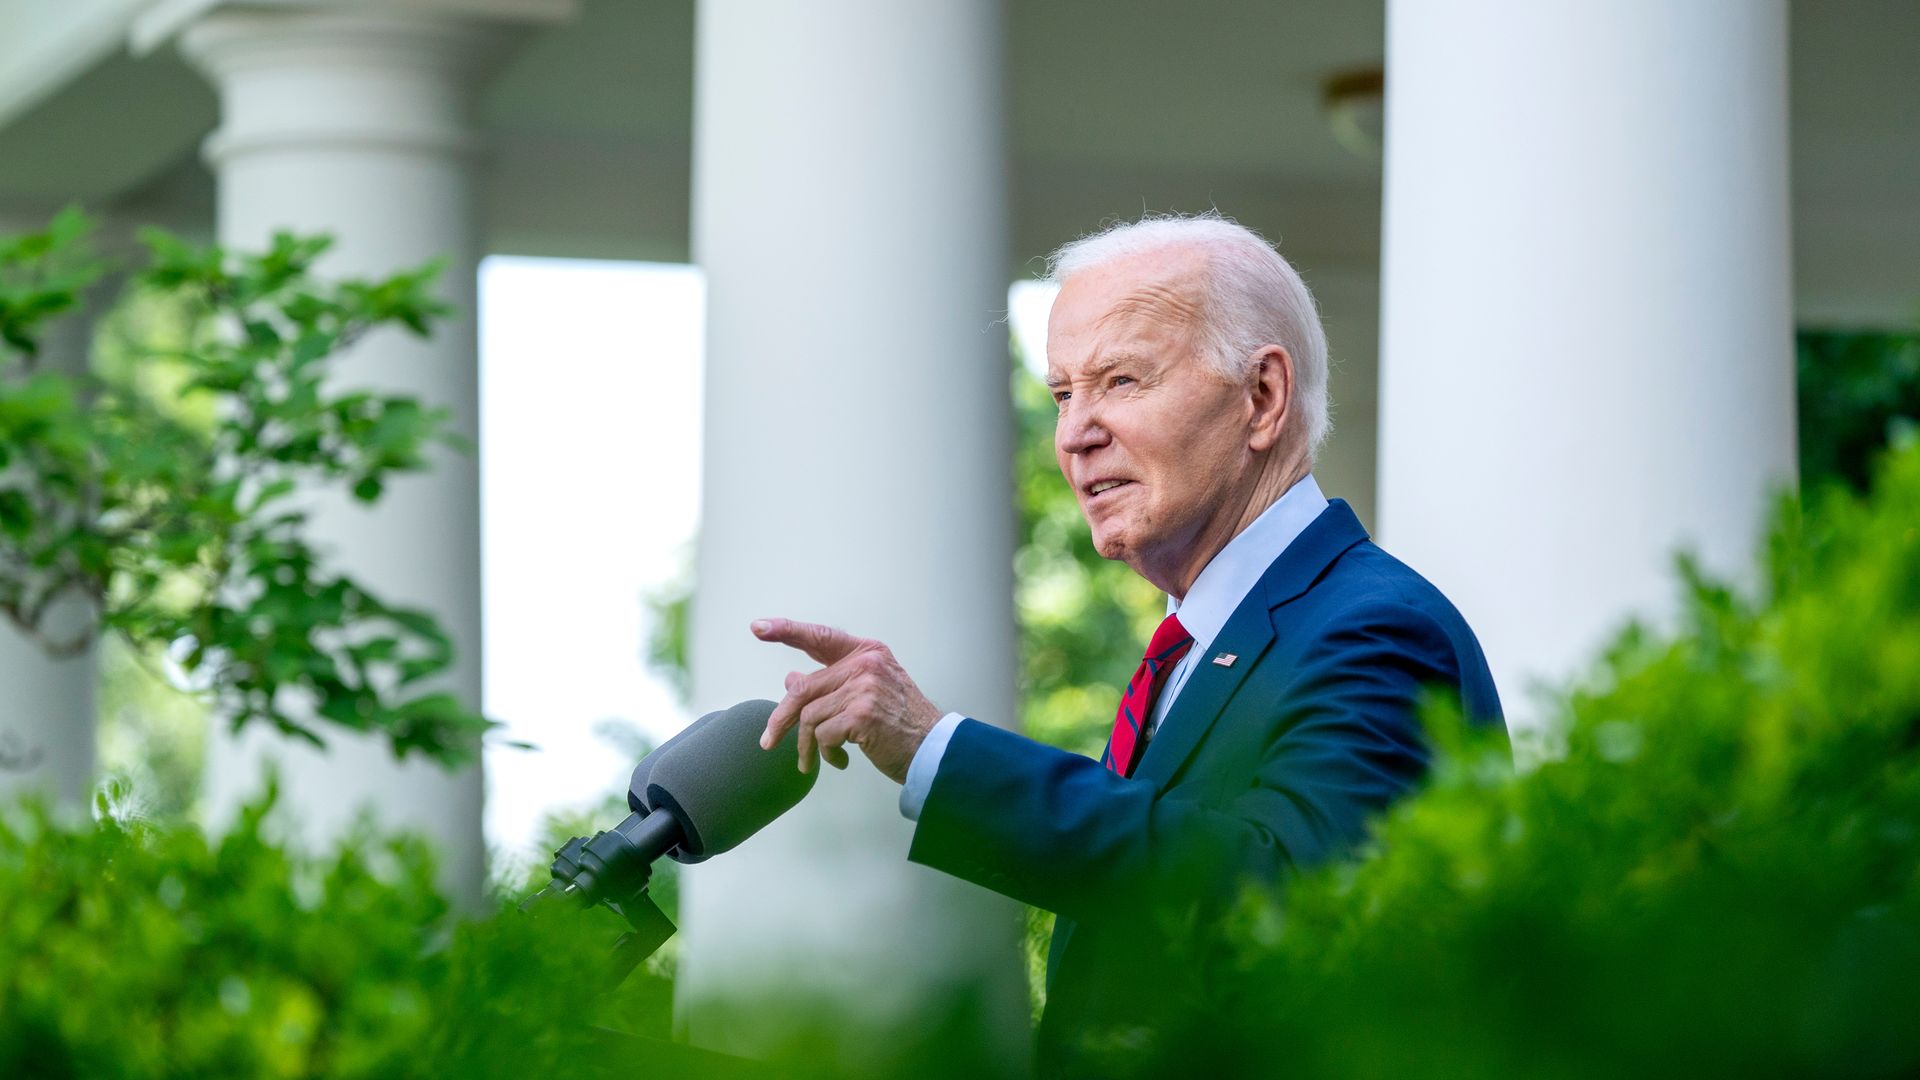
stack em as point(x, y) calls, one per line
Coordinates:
point(1079, 429)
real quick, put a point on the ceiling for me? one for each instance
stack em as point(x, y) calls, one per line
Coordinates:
point(1114, 106)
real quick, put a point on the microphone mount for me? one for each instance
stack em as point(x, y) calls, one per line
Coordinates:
point(613, 869)
point(701, 793)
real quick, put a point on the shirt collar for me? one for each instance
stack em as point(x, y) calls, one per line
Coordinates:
point(1226, 581)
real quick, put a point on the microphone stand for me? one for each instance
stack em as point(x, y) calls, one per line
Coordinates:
point(613, 868)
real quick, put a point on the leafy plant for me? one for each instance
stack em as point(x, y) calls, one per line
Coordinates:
point(1720, 877)
point(1859, 393)
point(184, 528)
point(134, 950)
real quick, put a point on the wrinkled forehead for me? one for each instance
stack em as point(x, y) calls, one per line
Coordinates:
point(1155, 296)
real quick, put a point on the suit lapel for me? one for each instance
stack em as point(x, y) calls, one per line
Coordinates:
point(1247, 636)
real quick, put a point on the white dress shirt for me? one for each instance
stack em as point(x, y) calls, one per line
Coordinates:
point(1223, 583)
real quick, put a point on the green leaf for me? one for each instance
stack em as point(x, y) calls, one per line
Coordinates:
point(183, 525)
point(261, 333)
point(69, 227)
point(311, 346)
point(16, 513)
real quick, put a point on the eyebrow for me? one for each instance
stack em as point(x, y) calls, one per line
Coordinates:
point(1099, 367)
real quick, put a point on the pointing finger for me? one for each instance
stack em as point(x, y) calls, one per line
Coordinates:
point(824, 643)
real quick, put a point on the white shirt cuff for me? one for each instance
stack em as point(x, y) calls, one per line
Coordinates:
point(925, 764)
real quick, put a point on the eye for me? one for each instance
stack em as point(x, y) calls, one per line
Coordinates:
point(1060, 396)
point(1120, 380)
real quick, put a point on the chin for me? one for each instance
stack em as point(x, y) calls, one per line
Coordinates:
point(1109, 545)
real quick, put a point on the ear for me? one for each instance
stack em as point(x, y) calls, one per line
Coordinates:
point(1271, 395)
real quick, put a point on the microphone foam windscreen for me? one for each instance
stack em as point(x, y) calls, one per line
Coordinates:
point(721, 786)
point(637, 786)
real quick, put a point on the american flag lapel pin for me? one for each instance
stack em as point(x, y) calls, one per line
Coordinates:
point(1225, 659)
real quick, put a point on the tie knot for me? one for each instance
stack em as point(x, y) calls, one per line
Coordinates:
point(1169, 640)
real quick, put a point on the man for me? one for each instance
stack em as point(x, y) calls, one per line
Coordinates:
point(1274, 711)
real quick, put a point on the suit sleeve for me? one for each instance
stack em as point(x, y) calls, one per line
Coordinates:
point(1058, 831)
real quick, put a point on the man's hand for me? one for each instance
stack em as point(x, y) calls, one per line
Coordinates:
point(863, 696)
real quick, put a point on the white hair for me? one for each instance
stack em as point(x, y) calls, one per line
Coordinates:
point(1252, 298)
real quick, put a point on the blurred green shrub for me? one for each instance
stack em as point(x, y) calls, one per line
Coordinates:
point(135, 950)
point(162, 495)
point(1859, 392)
point(1721, 877)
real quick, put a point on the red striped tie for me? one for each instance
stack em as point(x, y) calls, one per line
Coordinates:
point(1129, 740)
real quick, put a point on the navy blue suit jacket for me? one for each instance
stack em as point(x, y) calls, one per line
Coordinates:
point(1273, 762)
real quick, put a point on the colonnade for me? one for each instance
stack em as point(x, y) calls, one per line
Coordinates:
point(1585, 339)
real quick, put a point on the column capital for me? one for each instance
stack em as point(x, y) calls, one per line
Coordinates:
point(304, 75)
point(167, 20)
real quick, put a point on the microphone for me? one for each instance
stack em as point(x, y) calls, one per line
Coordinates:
point(704, 791)
point(637, 786)
point(719, 786)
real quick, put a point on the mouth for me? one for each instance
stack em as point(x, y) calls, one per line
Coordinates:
point(1101, 489)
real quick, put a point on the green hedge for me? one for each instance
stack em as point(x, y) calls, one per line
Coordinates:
point(1719, 877)
point(136, 950)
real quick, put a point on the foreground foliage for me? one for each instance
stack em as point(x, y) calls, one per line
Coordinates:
point(1720, 877)
point(170, 504)
point(1859, 392)
point(130, 950)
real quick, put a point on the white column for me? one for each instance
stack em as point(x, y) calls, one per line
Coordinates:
point(1587, 315)
point(849, 212)
point(47, 709)
point(47, 721)
point(357, 125)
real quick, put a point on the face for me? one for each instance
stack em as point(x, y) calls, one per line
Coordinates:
point(1153, 442)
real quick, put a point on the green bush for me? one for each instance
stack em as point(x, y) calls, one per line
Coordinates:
point(1859, 392)
point(1721, 876)
point(132, 950)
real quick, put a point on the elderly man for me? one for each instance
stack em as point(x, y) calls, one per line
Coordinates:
point(1275, 709)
